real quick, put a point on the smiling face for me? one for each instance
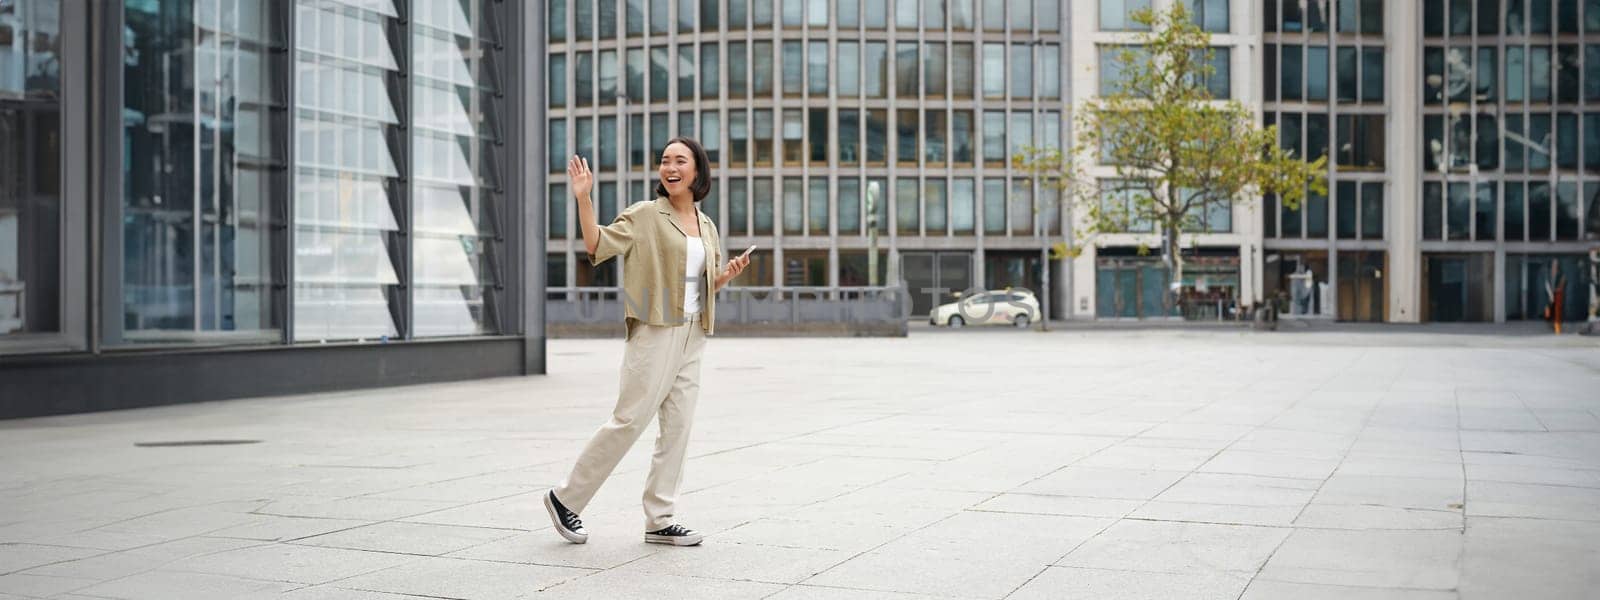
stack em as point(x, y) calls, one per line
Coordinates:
point(677, 169)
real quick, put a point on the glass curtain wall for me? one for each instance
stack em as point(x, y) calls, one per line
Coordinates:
point(399, 203)
point(204, 171)
point(31, 195)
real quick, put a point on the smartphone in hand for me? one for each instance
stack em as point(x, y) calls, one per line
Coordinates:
point(747, 251)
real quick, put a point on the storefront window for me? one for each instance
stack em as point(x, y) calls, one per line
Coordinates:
point(31, 199)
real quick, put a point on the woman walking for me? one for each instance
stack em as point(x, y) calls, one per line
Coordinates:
point(672, 269)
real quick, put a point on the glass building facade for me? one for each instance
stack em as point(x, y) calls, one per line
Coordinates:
point(823, 118)
point(283, 182)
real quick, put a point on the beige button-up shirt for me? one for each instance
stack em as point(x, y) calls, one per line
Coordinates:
point(654, 257)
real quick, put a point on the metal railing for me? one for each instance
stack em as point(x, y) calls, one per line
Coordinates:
point(823, 310)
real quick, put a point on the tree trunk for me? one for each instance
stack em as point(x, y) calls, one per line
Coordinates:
point(1173, 260)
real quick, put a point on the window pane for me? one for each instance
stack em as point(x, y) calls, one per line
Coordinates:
point(994, 206)
point(1116, 15)
point(962, 70)
point(963, 193)
point(760, 12)
point(738, 70)
point(933, 15)
point(557, 20)
point(877, 14)
point(877, 203)
point(558, 80)
point(817, 13)
point(711, 136)
point(658, 74)
point(32, 200)
point(1567, 73)
point(1539, 74)
point(994, 70)
point(583, 79)
point(1022, 15)
point(905, 14)
point(1372, 211)
point(1021, 202)
point(1291, 86)
point(994, 15)
point(961, 15)
point(1515, 225)
point(934, 66)
point(1317, 73)
point(709, 20)
point(608, 144)
point(1516, 90)
point(849, 137)
point(1348, 207)
point(608, 20)
point(1567, 216)
point(556, 218)
point(1316, 216)
point(1049, 15)
point(1317, 136)
point(1220, 82)
point(1050, 71)
point(933, 197)
point(1372, 74)
point(738, 207)
point(1488, 146)
point(818, 140)
point(762, 123)
point(660, 18)
point(738, 138)
point(994, 138)
point(608, 77)
point(583, 20)
point(849, 69)
point(1345, 82)
point(849, 206)
point(635, 74)
point(793, 136)
point(877, 137)
point(961, 137)
point(934, 132)
point(1483, 216)
point(1432, 211)
point(685, 72)
point(1021, 131)
point(558, 145)
point(761, 69)
point(793, 77)
point(761, 200)
point(794, 206)
point(1458, 211)
point(849, 14)
point(877, 70)
point(907, 206)
point(906, 70)
point(710, 77)
point(793, 12)
point(1539, 212)
point(818, 69)
point(906, 137)
point(1021, 69)
point(817, 207)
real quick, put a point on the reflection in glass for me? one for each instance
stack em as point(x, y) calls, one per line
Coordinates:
point(994, 70)
point(994, 206)
point(817, 141)
point(877, 70)
point(849, 206)
point(934, 66)
point(456, 189)
point(30, 171)
point(762, 203)
point(793, 78)
point(906, 69)
point(961, 138)
point(738, 207)
point(963, 196)
point(738, 69)
point(877, 137)
point(905, 124)
point(793, 136)
point(933, 210)
point(686, 68)
point(1021, 70)
point(994, 138)
point(203, 162)
point(738, 138)
point(817, 204)
point(817, 69)
point(907, 206)
point(849, 69)
point(933, 132)
point(794, 206)
point(849, 136)
point(761, 71)
point(710, 78)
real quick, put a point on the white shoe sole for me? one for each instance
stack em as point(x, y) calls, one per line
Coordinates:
point(674, 540)
point(576, 538)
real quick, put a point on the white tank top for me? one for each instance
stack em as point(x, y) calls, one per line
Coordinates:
point(694, 273)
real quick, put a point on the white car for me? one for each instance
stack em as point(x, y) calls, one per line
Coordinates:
point(1015, 307)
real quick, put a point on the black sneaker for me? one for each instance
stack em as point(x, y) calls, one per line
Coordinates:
point(675, 535)
point(567, 522)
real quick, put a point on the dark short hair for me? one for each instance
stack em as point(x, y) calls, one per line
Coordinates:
point(701, 187)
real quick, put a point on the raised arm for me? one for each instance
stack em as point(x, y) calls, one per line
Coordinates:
point(582, 182)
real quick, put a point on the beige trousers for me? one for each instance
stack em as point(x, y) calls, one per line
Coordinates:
point(660, 378)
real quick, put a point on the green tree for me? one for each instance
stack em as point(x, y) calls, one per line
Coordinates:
point(1179, 153)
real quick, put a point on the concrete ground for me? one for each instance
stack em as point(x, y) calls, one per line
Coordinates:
point(1408, 463)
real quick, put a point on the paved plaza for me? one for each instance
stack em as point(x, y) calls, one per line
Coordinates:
point(1392, 463)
